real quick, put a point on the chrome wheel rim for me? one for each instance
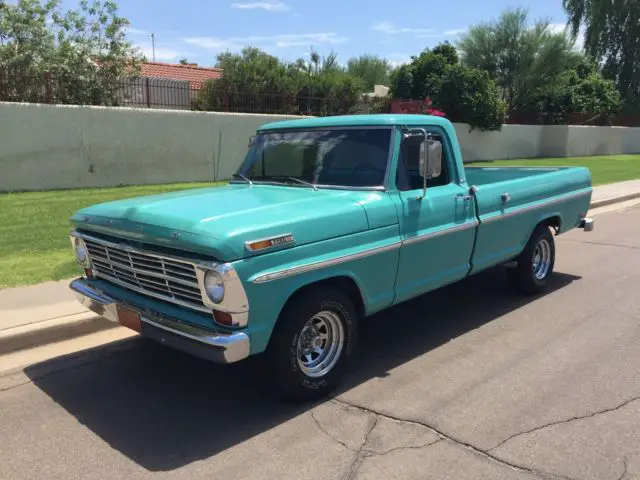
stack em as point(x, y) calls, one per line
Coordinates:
point(320, 344)
point(541, 259)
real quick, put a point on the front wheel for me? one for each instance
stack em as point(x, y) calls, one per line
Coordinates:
point(535, 263)
point(312, 344)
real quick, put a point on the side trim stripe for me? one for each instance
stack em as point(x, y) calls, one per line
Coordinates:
point(289, 272)
point(438, 233)
point(267, 277)
point(529, 208)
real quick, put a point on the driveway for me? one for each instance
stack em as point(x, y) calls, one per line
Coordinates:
point(470, 382)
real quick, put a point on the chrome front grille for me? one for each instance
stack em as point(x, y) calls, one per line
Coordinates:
point(156, 276)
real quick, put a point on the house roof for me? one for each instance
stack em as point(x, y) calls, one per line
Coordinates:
point(176, 71)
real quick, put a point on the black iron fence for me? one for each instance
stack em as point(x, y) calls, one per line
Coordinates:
point(160, 93)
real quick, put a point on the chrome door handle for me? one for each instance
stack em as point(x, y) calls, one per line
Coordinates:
point(505, 197)
point(464, 197)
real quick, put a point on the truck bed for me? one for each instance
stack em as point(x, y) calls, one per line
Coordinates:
point(511, 201)
point(485, 175)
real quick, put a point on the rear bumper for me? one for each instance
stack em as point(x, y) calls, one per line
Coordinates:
point(219, 347)
point(586, 224)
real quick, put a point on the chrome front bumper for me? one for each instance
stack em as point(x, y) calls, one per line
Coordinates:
point(212, 345)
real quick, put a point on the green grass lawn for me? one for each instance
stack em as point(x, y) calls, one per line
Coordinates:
point(34, 226)
point(34, 229)
point(605, 169)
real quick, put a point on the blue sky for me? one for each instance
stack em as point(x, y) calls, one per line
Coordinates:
point(200, 29)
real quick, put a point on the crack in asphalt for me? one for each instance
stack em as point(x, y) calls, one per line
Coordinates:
point(476, 450)
point(568, 420)
point(324, 430)
point(359, 457)
point(372, 453)
point(624, 471)
point(362, 453)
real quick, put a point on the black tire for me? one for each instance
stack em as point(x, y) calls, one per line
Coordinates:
point(526, 277)
point(286, 372)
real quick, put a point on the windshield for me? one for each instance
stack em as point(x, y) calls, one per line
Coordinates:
point(348, 158)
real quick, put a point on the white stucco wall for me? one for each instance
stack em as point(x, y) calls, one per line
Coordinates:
point(48, 147)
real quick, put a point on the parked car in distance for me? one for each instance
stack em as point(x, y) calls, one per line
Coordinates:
point(327, 221)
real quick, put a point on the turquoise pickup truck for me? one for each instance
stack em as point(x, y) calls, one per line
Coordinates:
point(327, 221)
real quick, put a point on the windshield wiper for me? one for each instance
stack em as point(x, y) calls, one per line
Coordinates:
point(302, 182)
point(240, 175)
point(280, 179)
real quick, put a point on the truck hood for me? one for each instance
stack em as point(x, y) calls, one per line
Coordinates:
point(218, 221)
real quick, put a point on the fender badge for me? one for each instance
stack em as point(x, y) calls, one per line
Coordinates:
point(175, 235)
point(271, 242)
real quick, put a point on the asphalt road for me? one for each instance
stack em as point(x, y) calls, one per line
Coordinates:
point(470, 382)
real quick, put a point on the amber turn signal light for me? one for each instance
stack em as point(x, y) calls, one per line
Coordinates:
point(223, 318)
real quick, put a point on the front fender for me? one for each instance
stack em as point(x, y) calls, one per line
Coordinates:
point(369, 258)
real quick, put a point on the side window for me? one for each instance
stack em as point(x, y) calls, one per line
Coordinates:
point(408, 173)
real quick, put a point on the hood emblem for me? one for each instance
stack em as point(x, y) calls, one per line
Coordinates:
point(271, 242)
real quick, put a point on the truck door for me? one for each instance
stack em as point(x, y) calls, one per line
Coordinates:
point(437, 231)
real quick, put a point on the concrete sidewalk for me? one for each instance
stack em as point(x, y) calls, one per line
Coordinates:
point(48, 312)
point(615, 193)
point(22, 306)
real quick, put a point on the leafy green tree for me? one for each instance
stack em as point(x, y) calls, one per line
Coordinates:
point(73, 56)
point(468, 95)
point(464, 94)
point(447, 51)
point(612, 30)
point(319, 65)
point(258, 82)
point(581, 89)
point(401, 80)
point(371, 69)
point(517, 56)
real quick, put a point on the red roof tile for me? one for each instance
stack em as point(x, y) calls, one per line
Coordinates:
point(176, 71)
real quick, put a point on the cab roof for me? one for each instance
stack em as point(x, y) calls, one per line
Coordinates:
point(382, 120)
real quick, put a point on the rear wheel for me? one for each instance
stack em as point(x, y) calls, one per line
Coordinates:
point(535, 263)
point(312, 344)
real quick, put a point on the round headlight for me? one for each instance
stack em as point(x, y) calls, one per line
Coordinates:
point(214, 286)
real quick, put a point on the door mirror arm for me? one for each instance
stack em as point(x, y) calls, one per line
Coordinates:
point(430, 161)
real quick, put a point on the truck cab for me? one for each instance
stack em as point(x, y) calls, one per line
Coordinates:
point(326, 221)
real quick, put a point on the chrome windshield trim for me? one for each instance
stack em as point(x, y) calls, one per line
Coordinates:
point(309, 267)
point(323, 128)
point(529, 208)
point(375, 188)
point(445, 231)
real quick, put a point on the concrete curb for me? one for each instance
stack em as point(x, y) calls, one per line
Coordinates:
point(611, 200)
point(77, 325)
point(52, 331)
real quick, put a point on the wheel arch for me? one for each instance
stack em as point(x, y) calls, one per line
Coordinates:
point(340, 282)
point(553, 220)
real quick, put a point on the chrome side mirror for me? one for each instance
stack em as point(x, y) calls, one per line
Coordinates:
point(430, 158)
